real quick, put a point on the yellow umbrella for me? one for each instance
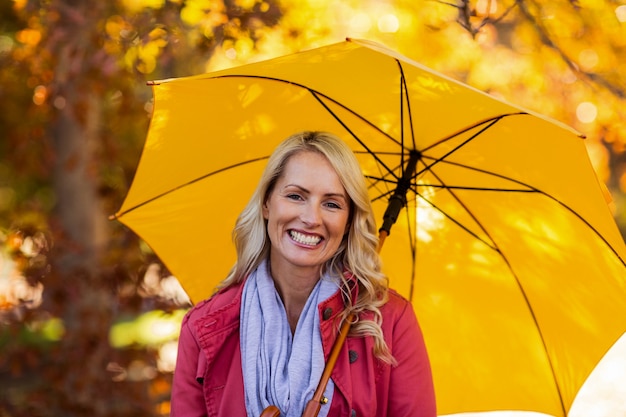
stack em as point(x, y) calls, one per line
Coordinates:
point(505, 244)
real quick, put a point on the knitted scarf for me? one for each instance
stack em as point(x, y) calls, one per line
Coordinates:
point(279, 369)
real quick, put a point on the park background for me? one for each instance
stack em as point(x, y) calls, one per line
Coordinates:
point(89, 317)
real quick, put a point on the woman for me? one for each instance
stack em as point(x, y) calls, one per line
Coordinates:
point(306, 258)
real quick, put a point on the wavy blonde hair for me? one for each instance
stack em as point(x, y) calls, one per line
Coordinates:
point(357, 252)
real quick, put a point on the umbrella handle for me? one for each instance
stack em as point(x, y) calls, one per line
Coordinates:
point(382, 235)
point(270, 411)
point(312, 408)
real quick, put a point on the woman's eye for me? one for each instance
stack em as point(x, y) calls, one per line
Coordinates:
point(333, 205)
point(294, 197)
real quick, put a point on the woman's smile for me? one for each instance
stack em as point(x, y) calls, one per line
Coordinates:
point(305, 239)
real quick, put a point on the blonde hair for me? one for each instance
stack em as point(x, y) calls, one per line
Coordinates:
point(357, 252)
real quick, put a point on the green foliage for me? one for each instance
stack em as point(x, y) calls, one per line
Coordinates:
point(152, 329)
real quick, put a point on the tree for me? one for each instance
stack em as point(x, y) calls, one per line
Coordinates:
point(77, 70)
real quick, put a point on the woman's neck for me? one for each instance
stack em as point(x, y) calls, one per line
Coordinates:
point(294, 285)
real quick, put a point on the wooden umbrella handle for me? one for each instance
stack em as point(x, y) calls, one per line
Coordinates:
point(312, 408)
point(270, 411)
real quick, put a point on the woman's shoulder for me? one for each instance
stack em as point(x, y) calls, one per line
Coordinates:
point(396, 306)
point(224, 298)
point(396, 300)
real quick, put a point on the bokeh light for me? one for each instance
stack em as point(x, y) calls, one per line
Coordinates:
point(620, 13)
point(586, 112)
point(388, 23)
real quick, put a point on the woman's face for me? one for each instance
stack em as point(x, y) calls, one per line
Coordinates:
point(307, 213)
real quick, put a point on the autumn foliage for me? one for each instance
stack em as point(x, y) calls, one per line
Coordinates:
point(77, 290)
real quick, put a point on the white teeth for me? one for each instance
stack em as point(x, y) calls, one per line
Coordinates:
point(304, 239)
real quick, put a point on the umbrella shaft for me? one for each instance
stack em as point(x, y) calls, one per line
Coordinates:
point(398, 200)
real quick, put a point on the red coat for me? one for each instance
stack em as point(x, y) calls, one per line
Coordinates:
point(208, 379)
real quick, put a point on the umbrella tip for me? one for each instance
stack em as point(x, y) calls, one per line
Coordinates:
point(112, 216)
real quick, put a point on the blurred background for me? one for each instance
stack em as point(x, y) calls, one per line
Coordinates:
point(89, 317)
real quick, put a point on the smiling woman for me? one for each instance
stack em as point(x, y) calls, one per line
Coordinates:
point(307, 262)
point(307, 216)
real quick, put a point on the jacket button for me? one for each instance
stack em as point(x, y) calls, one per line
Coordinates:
point(353, 413)
point(327, 313)
point(353, 356)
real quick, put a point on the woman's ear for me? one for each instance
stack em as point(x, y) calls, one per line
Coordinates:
point(265, 210)
point(350, 218)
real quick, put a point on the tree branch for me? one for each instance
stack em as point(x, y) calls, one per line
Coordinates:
point(547, 40)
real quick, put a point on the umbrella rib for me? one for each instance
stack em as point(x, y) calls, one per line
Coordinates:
point(341, 122)
point(401, 96)
point(468, 211)
point(463, 187)
point(318, 94)
point(489, 123)
point(404, 93)
point(387, 193)
point(505, 259)
point(491, 245)
point(517, 280)
point(530, 189)
point(193, 181)
point(539, 330)
point(373, 154)
point(385, 179)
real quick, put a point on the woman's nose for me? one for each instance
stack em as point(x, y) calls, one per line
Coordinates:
point(311, 214)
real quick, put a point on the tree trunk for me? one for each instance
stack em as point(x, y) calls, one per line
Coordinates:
point(82, 221)
point(79, 285)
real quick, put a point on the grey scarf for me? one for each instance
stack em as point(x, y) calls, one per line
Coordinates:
point(278, 369)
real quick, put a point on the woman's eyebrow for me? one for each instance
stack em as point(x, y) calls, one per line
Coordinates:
point(305, 190)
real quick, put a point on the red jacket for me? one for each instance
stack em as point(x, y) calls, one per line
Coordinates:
point(208, 379)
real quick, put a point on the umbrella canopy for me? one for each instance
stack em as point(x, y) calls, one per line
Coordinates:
point(504, 244)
